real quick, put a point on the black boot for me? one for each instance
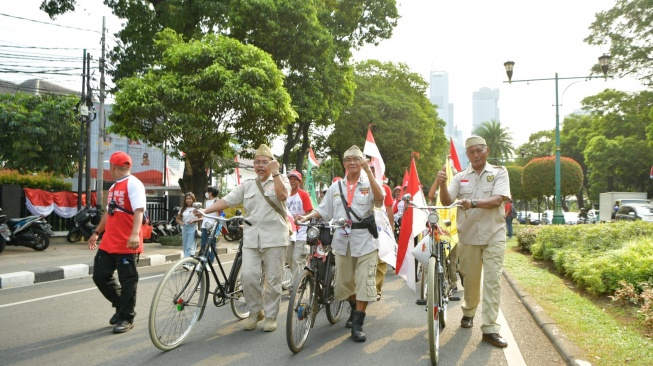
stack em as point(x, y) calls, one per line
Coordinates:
point(352, 308)
point(357, 326)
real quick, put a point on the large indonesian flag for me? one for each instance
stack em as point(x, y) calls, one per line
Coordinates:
point(372, 150)
point(412, 224)
point(64, 204)
point(454, 156)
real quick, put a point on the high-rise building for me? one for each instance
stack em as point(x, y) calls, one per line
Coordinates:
point(485, 106)
point(439, 96)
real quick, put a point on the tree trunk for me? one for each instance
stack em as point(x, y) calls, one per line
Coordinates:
point(305, 144)
point(195, 179)
point(292, 138)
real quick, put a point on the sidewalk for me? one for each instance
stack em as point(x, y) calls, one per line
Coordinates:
point(22, 266)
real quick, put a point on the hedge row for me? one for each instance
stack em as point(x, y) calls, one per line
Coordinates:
point(595, 257)
point(37, 180)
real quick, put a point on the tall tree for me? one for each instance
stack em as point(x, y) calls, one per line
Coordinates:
point(393, 99)
point(626, 29)
point(200, 96)
point(498, 139)
point(538, 177)
point(40, 133)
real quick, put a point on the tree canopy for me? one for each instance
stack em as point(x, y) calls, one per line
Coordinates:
point(200, 96)
point(40, 133)
point(538, 177)
point(626, 30)
point(498, 140)
point(391, 99)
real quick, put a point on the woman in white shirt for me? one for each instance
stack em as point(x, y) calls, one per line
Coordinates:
point(211, 196)
point(187, 220)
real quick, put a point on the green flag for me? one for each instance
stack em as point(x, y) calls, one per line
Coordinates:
point(310, 185)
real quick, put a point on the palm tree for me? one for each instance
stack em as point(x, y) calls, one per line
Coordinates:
point(497, 138)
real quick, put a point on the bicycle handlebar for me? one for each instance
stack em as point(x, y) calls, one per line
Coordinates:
point(220, 218)
point(336, 224)
point(431, 208)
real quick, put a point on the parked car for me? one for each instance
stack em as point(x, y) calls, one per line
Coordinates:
point(534, 217)
point(634, 211)
point(571, 218)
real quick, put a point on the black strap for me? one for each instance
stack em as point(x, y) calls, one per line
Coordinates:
point(276, 208)
point(347, 208)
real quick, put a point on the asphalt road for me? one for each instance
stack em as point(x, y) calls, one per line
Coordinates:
point(67, 323)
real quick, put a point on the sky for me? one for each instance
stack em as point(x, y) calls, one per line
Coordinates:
point(469, 39)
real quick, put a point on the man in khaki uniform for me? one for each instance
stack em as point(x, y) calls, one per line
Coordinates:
point(265, 242)
point(356, 250)
point(482, 190)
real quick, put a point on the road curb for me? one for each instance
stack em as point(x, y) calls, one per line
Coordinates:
point(26, 278)
point(571, 354)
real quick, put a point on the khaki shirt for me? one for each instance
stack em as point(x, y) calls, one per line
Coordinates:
point(361, 242)
point(481, 226)
point(268, 228)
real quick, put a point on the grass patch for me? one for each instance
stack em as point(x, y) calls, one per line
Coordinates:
point(592, 323)
point(170, 241)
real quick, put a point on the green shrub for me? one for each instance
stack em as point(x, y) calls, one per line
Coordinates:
point(527, 236)
point(43, 181)
point(170, 241)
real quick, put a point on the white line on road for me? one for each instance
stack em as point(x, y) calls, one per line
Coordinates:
point(512, 353)
point(74, 292)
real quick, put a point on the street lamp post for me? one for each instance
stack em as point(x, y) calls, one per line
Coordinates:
point(604, 61)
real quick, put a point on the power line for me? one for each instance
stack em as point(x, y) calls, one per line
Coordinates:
point(49, 48)
point(47, 23)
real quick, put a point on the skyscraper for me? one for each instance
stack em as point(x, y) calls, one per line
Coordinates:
point(439, 96)
point(485, 106)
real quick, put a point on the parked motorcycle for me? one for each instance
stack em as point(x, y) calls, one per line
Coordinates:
point(31, 231)
point(83, 227)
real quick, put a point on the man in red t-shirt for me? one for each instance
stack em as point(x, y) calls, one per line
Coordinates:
point(122, 242)
point(298, 203)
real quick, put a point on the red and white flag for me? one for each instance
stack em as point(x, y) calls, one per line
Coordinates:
point(454, 155)
point(372, 150)
point(412, 224)
point(405, 181)
point(311, 158)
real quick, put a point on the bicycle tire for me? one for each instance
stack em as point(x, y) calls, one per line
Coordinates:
point(432, 310)
point(445, 288)
point(299, 318)
point(237, 298)
point(172, 317)
point(333, 307)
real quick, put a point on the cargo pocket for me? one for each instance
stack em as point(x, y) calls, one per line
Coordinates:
point(371, 279)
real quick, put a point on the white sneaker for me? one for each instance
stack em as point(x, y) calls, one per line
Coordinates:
point(270, 325)
point(252, 320)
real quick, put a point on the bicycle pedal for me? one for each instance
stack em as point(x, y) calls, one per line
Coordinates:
point(454, 298)
point(420, 302)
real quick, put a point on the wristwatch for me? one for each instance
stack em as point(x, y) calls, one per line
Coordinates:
point(473, 203)
point(96, 232)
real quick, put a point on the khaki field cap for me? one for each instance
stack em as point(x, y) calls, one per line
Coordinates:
point(353, 151)
point(474, 140)
point(264, 150)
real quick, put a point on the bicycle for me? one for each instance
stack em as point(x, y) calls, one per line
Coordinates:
point(314, 289)
point(180, 298)
point(437, 276)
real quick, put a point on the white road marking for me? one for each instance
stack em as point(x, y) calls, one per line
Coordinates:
point(74, 292)
point(512, 353)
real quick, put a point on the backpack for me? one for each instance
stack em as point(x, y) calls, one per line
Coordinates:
point(513, 212)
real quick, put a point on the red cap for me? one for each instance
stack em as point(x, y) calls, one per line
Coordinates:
point(296, 174)
point(121, 159)
point(397, 187)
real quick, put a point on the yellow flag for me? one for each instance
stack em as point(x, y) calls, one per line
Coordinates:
point(448, 214)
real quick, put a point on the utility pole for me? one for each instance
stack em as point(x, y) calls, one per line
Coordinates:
point(81, 107)
point(101, 123)
point(89, 104)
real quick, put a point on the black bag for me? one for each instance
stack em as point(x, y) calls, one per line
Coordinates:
point(370, 222)
point(325, 236)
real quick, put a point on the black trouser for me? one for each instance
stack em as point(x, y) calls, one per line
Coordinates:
point(121, 295)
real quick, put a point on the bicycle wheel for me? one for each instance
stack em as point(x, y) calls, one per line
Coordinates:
point(178, 304)
point(238, 303)
point(300, 312)
point(432, 309)
point(333, 307)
